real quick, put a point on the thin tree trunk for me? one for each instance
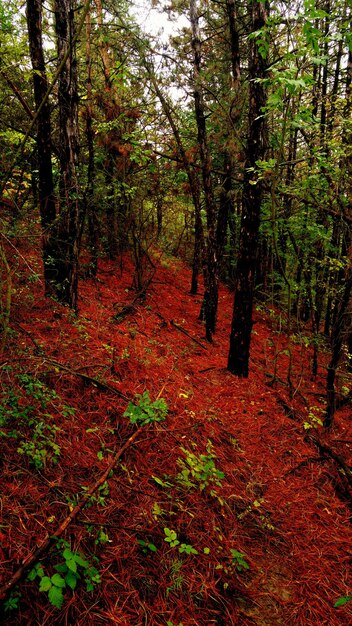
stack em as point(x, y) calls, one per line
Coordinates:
point(225, 206)
point(211, 262)
point(47, 203)
point(89, 195)
point(240, 337)
point(337, 341)
point(69, 220)
point(340, 322)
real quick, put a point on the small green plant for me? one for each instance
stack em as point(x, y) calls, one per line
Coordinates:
point(162, 483)
point(99, 496)
point(199, 470)
point(314, 420)
point(238, 560)
point(172, 540)
point(172, 624)
point(75, 568)
point(342, 601)
point(24, 415)
point(12, 602)
point(171, 537)
point(147, 546)
point(144, 411)
point(102, 538)
point(157, 511)
point(42, 446)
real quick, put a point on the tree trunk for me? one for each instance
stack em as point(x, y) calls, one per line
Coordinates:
point(340, 322)
point(47, 203)
point(225, 206)
point(337, 341)
point(240, 337)
point(69, 219)
point(211, 264)
point(89, 194)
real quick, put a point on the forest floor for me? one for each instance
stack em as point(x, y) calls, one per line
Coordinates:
point(229, 511)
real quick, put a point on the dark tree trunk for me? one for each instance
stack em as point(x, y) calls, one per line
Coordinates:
point(341, 322)
point(69, 219)
point(225, 206)
point(46, 185)
point(198, 243)
point(337, 341)
point(240, 337)
point(211, 264)
point(89, 195)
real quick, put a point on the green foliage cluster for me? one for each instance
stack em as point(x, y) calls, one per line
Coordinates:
point(27, 413)
point(144, 411)
point(74, 568)
point(172, 540)
point(99, 496)
point(199, 471)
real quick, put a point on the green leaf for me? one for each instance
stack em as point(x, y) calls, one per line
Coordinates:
point(45, 584)
point(161, 482)
point(342, 601)
point(72, 565)
point(58, 581)
point(80, 561)
point(152, 547)
point(56, 597)
point(61, 567)
point(67, 554)
point(36, 571)
point(187, 548)
point(71, 580)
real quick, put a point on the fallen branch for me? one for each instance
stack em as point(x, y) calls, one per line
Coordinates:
point(51, 539)
point(38, 348)
point(288, 410)
point(182, 330)
point(89, 379)
point(326, 451)
point(126, 309)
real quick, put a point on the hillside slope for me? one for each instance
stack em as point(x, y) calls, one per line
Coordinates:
point(226, 512)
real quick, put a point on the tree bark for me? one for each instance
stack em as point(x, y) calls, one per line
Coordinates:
point(240, 337)
point(47, 202)
point(210, 304)
point(89, 194)
point(69, 220)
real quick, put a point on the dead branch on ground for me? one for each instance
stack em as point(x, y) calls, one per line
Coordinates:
point(46, 544)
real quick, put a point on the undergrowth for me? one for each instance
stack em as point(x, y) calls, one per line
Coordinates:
point(27, 415)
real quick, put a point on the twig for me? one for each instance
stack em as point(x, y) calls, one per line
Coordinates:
point(33, 557)
point(38, 348)
point(290, 412)
point(90, 379)
point(182, 330)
